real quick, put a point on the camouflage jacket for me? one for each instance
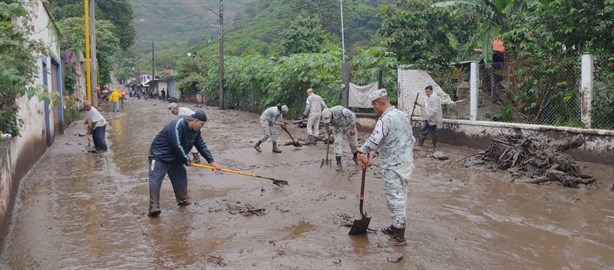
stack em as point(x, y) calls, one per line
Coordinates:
point(394, 139)
point(314, 105)
point(272, 115)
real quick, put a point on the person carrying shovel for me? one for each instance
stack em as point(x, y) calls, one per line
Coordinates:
point(271, 116)
point(344, 122)
point(394, 140)
point(168, 154)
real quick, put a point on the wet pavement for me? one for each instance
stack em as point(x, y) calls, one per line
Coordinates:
point(84, 211)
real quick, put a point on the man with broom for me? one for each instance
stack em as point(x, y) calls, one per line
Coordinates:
point(394, 140)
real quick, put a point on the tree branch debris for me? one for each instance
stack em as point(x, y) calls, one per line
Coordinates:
point(539, 159)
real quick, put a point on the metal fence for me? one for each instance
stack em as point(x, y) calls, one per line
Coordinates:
point(538, 93)
point(542, 93)
point(602, 112)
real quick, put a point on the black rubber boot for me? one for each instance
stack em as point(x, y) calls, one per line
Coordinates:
point(388, 230)
point(355, 158)
point(275, 149)
point(434, 141)
point(421, 141)
point(339, 166)
point(257, 146)
point(398, 237)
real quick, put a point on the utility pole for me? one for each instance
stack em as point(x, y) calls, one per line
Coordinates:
point(86, 19)
point(153, 74)
point(346, 68)
point(94, 70)
point(342, 35)
point(221, 54)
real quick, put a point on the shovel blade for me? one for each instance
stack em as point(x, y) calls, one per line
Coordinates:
point(297, 144)
point(360, 226)
point(326, 162)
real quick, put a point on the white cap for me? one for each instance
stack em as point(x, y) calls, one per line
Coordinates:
point(171, 106)
point(377, 94)
point(284, 109)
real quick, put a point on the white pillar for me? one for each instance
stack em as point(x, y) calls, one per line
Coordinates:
point(586, 90)
point(473, 94)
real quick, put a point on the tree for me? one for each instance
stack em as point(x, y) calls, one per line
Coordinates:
point(369, 62)
point(543, 46)
point(577, 26)
point(327, 10)
point(303, 35)
point(423, 36)
point(106, 42)
point(118, 12)
point(18, 58)
point(492, 17)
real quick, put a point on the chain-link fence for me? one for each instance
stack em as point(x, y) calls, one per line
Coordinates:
point(527, 91)
point(456, 85)
point(602, 113)
point(531, 93)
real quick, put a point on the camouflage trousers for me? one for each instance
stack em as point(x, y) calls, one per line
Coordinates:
point(352, 139)
point(395, 189)
point(268, 131)
point(313, 125)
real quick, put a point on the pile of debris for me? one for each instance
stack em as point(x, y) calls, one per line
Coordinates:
point(247, 210)
point(541, 160)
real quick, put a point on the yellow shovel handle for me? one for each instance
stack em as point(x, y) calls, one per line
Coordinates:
point(277, 182)
point(224, 170)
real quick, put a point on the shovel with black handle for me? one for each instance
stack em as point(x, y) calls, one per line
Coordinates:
point(295, 143)
point(360, 226)
point(326, 161)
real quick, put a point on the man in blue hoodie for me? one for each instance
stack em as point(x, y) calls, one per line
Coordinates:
point(168, 154)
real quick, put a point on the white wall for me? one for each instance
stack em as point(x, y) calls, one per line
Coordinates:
point(23, 151)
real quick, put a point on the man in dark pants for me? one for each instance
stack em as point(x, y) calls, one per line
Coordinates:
point(432, 114)
point(169, 153)
point(95, 125)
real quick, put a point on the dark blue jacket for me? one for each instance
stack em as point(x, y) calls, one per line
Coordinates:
point(174, 142)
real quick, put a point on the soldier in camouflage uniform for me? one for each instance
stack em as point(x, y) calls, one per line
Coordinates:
point(313, 109)
point(394, 140)
point(271, 116)
point(344, 122)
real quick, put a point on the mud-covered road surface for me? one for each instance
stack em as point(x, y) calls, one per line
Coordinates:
point(88, 211)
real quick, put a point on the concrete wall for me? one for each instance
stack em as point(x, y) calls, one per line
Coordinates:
point(19, 154)
point(599, 146)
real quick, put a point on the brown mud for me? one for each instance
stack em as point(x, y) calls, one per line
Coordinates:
point(84, 211)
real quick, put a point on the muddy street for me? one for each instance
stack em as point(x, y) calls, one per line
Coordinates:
point(88, 211)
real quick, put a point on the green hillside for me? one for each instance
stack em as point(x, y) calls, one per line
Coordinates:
point(176, 26)
point(260, 26)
